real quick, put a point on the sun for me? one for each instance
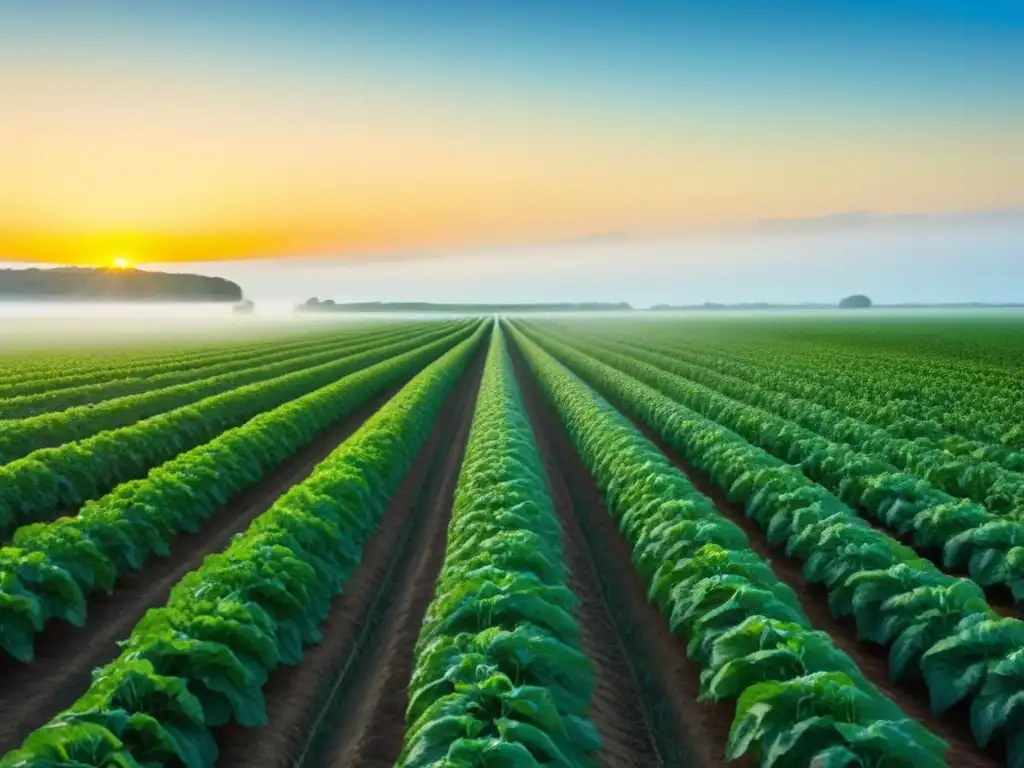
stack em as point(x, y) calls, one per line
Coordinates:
point(121, 262)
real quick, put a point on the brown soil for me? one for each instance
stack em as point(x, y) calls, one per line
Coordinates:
point(645, 704)
point(345, 703)
point(33, 693)
point(872, 659)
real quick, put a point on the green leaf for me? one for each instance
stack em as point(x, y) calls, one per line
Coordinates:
point(534, 739)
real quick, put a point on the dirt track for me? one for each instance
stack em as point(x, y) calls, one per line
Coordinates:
point(645, 704)
point(344, 704)
point(33, 693)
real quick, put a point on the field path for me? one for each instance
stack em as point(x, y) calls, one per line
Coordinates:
point(644, 703)
point(344, 704)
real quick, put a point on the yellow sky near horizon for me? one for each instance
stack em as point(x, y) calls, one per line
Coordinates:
point(156, 172)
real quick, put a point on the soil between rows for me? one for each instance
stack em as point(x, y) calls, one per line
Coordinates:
point(953, 727)
point(33, 693)
point(344, 704)
point(645, 705)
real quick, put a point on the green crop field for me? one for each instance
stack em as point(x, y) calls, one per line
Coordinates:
point(663, 539)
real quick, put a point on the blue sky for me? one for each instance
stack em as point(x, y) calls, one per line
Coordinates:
point(205, 131)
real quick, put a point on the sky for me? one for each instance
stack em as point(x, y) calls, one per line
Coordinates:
point(372, 134)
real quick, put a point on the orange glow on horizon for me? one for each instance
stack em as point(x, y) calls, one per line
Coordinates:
point(185, 176)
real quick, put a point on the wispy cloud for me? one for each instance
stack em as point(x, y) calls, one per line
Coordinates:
point(866, 221)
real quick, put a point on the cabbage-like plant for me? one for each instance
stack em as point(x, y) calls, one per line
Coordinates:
point(983, 551)
point(871, 593)
point(493, 707)
point(999, 706)
point(32, 591)
point(811, 719)
point(957, 667)
point(675, 580)
point(762, 649)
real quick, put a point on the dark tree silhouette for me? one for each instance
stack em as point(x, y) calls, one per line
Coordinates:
point(857, 301)
point(83, 284)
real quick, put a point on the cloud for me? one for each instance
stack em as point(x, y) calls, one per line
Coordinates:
point(866, 220)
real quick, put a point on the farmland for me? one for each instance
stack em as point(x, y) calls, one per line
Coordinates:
point(776, 540)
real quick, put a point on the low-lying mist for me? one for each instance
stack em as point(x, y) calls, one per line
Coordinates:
point(920, 266)
point(34, 325)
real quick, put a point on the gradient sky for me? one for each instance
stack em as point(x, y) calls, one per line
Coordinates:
point(194, 131)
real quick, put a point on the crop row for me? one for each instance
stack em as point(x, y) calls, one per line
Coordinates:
point(799, 700)
point(201, 661)
point(972, 539)
point(988, 474)
point(913, 372)
point(56, 399)
point(848, 400)
point(65, 371)
point(20, 437)
point(939, 629)
point(62, 478)
point(498, 677)
point(954, 376)
point(881, 389)
point(959, 418)
point(50, 568)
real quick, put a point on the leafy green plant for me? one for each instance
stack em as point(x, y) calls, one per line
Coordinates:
point(135, 378)
point(499, 678)
point(62, 478)
point(120, 532)
point(824, 719)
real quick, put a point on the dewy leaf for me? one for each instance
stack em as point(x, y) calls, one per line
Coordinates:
point(737, 675)
point(800, 743)
point(957, 666)
point(534, 739)
point(1000, 702)
point(73, 743)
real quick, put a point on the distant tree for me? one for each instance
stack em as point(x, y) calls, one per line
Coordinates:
point(244, 307)
point(857, 301)
point(85, 284)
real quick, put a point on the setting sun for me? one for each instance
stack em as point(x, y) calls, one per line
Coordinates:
point(120, 262)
